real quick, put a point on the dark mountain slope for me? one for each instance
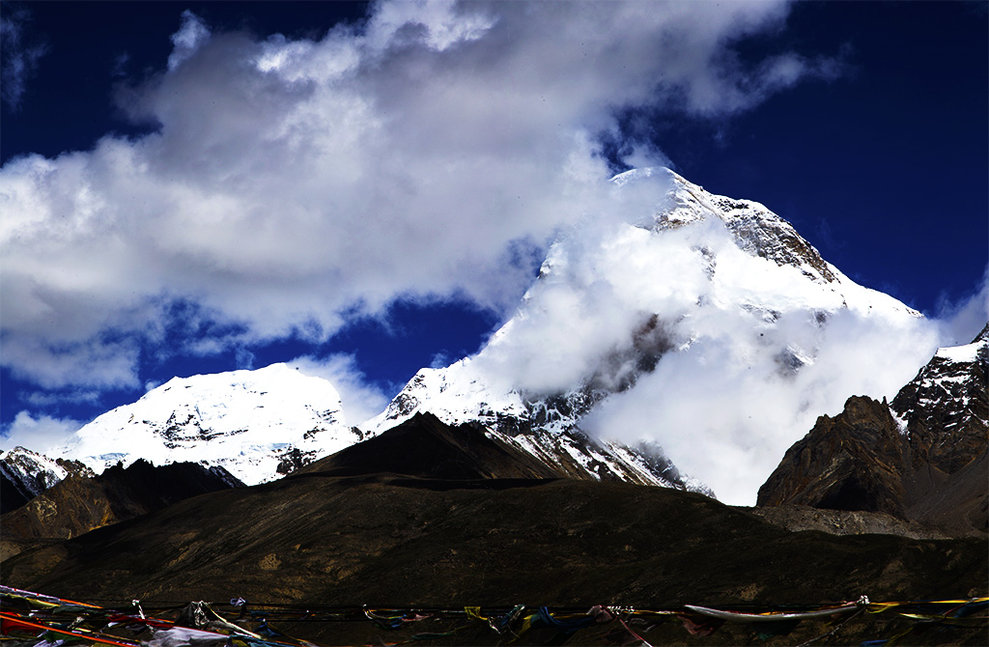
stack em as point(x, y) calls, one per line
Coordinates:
point(79, 504)
point(424, 446)
point(416, 540)
point(11, 496)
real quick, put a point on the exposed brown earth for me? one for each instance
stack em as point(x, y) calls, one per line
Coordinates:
point(78, 504)
point(845, 522)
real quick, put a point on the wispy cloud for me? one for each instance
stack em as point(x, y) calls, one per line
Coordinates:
point(20, 56)
point(960, 321)
point(360, 399)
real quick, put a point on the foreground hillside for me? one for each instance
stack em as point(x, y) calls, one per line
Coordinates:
point(79, 504)
point(355, 534)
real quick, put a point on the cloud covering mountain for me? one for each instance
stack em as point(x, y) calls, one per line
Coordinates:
point(291, 185)
point(704, 325)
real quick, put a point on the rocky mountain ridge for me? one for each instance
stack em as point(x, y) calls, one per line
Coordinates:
point(78, 504)
point(25, 474)
point(748, 290)
point(922, 457)
point(483, 524)
point(945, 409)
point(755, 228)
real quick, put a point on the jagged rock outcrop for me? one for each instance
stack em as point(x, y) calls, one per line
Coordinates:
point(25, 474)
point(852, 461)
point(946, 408)
point(922, 457)
point(78, 504)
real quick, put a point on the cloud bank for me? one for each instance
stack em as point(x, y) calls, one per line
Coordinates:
point(39, 434)
point(293, 184)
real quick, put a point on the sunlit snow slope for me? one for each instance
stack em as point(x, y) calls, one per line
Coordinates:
point(703, 326)
point(257, 424)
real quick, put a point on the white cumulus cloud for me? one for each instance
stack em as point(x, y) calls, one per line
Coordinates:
point(360, 399)
point(37, 433)
point(293, 183)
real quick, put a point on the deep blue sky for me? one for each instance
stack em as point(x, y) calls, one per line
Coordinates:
point(884, 168)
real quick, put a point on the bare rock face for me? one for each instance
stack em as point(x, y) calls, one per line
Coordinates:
point(926, 464)
point(78, 504)
point(946, 406)
point(852, 461)
point(25, 474)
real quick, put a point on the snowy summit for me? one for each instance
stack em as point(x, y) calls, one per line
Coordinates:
point(705, 326)
point(257, 424)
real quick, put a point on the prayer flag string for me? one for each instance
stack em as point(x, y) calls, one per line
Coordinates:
point(247, 624)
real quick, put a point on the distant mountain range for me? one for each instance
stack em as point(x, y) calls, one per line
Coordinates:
point(504, 478)
point(704, 279)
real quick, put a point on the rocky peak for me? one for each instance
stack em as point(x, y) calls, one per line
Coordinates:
point(945, 408)
point(24, 474)
point(926, 464)
point(846, 462)
point(756, 229)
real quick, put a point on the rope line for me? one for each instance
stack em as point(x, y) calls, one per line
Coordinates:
point(38, 614)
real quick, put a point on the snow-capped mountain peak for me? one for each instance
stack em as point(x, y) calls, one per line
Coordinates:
point(255, 423)
point(637, 325)
point(682, 338)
